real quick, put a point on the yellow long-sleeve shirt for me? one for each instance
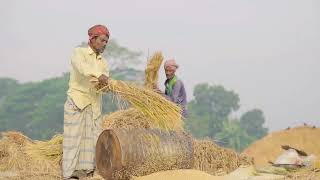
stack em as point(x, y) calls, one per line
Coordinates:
point(85, 65)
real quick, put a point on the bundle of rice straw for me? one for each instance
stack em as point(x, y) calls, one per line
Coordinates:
point(152, 69)
point(48, 150)
point(163, 113)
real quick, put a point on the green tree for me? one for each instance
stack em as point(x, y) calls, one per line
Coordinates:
point(210, 108)
point(197, 124)
point(33, 108)
point(252, 121)
point(233, 136)
point(6, 86)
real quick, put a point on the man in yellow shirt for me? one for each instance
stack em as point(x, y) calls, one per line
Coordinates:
point(82, 110)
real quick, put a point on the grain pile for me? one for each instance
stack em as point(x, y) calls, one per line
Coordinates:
point(186, 174)
point(269, 148)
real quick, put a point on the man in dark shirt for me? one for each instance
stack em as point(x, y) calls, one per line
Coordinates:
point(175, 90)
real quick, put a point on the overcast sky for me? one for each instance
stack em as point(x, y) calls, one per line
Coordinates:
point(267, 51)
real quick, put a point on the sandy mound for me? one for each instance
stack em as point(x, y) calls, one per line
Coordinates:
point(269, 148)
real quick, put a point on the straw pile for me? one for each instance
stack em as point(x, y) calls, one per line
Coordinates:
point(126, 119)
point(216, 160)
point(16, 163)
point(269, 148)
point(11, 147)
point(152, 69)
point(48, 150)
point(162, 113)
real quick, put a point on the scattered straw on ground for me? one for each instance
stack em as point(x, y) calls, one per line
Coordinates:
point(152, 70)
point(163, 113)
point(216, 160)
point(307, 173)
point(269, 147)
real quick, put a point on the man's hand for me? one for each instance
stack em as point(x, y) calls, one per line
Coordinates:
point(156, 89)
point(103, 80)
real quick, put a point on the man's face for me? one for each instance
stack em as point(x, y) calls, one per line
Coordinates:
point(99, 43)
point(170, 72)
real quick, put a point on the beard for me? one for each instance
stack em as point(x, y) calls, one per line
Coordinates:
point(101, 50)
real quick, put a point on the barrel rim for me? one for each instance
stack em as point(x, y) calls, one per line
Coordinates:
point(103, 153)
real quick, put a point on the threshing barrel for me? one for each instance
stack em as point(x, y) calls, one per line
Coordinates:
point(142, 151)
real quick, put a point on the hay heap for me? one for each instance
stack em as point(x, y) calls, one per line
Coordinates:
point(269, 148)
point(126, 119)
point(163, 113)
point(11, 151)
point(18, 164)
point(48, 150)
point(152, 70)
point(216, 160)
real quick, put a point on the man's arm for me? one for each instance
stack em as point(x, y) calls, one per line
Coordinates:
point(104, 78)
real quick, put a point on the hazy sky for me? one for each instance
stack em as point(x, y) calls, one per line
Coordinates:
point(267, 51)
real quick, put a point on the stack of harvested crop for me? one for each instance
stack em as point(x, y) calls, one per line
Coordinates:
point(216, 160)
point(127, 119)
point(48, 150)
point(19, 164)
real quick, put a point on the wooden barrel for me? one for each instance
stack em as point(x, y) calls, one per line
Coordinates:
point(142, 151)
